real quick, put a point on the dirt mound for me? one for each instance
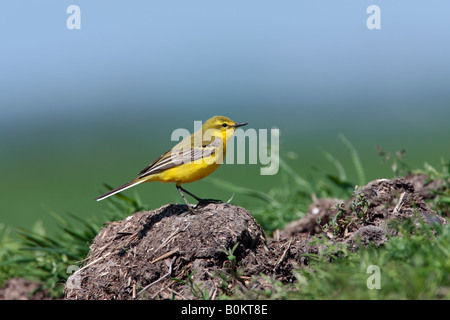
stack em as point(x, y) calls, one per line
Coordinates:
point(383, 201)
point(425, 186)
point(319, 213)
point(375, 205)
point(139, 257)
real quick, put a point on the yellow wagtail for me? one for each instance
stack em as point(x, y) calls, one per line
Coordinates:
point(192, 159)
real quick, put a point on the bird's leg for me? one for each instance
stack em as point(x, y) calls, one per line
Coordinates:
point(185, 200)
point(200, 200)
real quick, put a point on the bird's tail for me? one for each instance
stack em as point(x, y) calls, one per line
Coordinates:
point(119, 189)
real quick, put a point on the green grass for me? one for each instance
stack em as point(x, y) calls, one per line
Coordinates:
point(415, 265)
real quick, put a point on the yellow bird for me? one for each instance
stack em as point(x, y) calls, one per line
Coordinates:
point(192, 159)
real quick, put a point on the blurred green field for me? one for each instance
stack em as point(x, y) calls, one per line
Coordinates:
point(60, 166)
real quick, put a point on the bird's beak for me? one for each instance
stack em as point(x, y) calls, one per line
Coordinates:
point(240, 124)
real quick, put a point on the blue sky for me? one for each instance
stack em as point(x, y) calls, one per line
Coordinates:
point(147, 56)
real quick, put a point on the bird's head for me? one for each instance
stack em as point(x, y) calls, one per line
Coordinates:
point(221, 123)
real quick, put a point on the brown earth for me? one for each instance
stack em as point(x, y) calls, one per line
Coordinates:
point(139, 257)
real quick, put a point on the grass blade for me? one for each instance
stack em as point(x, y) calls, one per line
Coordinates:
point(356, 160)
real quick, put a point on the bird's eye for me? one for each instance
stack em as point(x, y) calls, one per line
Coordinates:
point(224, 125)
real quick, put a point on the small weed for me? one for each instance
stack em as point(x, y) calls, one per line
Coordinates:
point(344, 222)
point(232, 271)
point(197, 289)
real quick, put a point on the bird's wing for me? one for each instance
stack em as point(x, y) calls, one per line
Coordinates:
point(178, 156)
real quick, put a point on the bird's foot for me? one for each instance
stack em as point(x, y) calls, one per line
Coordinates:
point(204, 202)
point(192, 209)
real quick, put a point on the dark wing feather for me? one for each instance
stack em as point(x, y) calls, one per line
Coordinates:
point(153, 163)
point(174, 158)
